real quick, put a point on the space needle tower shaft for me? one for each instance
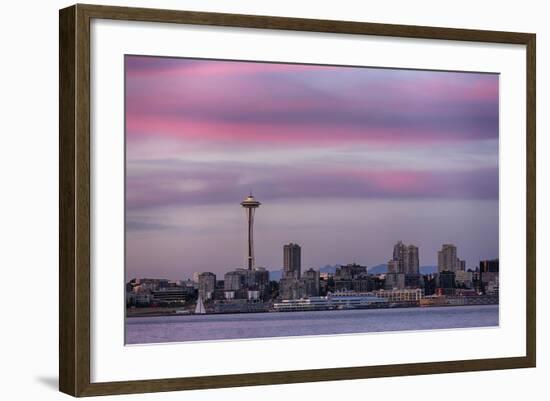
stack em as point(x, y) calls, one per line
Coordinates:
point(250, 204)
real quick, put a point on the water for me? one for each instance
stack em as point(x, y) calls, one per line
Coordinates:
point(141, 330)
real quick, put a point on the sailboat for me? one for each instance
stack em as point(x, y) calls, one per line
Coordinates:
point(200, 309)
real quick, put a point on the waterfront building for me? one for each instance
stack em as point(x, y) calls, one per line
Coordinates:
point(170, 295)
point(401, 295)
point(433, 300)
point(133, 299)
point(331, 302)
point(292, 261)
point(207, 285)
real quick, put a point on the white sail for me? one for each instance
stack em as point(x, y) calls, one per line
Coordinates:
point(200, 309)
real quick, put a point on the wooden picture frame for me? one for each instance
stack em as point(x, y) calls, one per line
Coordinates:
point(74, 199)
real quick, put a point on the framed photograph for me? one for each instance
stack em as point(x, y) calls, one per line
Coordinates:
point(250, 200)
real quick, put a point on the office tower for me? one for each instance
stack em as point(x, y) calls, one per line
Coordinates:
point(405, 259)
point(393, 266)
point(399, 255)
point(292, 260)
point(446, 258)
point(411, 261)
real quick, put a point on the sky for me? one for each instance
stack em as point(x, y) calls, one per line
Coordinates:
point(345, 160)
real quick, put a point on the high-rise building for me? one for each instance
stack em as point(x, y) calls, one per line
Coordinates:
point(207, 284)
point(292, 261)
point(293, 284)
point(446, 258)
point(393, 266)
point(411, 261)
point(399, 255)
point(405, 259)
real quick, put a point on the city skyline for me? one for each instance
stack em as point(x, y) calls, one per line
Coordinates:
point(364, 157)
point(291, 263)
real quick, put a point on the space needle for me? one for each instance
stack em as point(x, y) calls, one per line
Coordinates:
point(249, 205)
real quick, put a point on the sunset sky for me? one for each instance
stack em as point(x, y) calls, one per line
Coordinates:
point(345, 160)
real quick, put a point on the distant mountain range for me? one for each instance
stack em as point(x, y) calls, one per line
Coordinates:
point(276, 275)
point(383, 268)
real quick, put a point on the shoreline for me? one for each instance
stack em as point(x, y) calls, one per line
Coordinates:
point(174, 312)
